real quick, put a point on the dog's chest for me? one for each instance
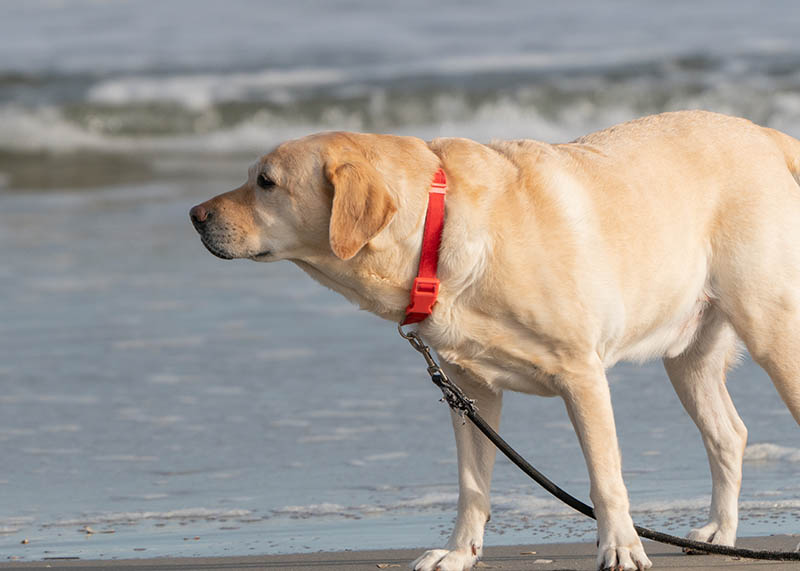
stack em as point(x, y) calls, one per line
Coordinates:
point(503, 362)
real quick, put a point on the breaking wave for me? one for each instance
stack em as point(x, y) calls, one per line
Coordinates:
point(771, 453)
point(553, 99)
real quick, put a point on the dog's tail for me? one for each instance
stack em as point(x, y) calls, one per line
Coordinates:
point(791, 151)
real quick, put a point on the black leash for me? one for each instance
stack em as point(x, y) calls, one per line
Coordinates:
point(459, 402)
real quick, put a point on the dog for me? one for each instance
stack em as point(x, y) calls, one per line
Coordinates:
point(671, 236)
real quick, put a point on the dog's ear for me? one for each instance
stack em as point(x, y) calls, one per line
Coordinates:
point(362, 205)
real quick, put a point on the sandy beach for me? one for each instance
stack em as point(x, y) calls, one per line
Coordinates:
point(546, 557)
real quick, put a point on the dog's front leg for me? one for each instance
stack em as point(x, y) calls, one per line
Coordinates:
point(475, 464)
point(588, 402)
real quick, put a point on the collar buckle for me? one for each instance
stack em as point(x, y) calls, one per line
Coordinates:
point(423, 295)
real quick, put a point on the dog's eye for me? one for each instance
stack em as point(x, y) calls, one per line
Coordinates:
point(265, 182)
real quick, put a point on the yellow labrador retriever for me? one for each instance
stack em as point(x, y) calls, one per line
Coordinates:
point(669, 236)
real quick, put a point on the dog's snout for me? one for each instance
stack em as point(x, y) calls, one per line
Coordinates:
point(199, 215)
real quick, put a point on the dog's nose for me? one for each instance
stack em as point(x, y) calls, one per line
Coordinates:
point(199, 215)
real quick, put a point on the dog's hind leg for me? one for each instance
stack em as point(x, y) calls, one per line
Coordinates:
point(476, 456)
point(766, 315)
point(698, 375)
point(757, 281)
point(774, 343)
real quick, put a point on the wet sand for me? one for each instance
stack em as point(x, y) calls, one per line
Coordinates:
point(546, 557)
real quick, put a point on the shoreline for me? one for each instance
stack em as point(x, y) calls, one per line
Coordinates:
point(544, 557)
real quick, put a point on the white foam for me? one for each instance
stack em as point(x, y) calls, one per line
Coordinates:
point(340, 433)
point(697, 503)
point(529, 505)
point(200, 91)
point(47, 130)
point(771, 453)
point(134, 517)
point(514, 505)
point(768, 493)
point(9, 525)
point(771, 505)
point(43, 129)
point(387, 456)
point(433, 500)
point(530, 61)
point(144, 497)
point(313, 510)
point(539, 507)
point(429, 500)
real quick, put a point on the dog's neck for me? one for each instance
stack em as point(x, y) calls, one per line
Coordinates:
point(379, 277)
point(377, 281)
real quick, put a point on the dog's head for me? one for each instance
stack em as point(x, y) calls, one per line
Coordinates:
point(323, 194)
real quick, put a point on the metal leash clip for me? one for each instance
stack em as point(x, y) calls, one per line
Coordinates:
point(452, 395)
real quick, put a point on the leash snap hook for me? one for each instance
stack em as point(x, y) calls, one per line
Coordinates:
point(407, 336)
point(451, 394)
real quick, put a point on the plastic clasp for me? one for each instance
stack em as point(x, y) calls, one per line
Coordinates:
point(439, 184)
point(423, 295)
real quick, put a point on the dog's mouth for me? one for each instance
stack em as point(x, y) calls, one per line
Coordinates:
point(220, 253)
point(261, 255)
point(214, 250)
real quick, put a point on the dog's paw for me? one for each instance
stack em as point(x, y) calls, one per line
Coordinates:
point(711, 532)
point(627, 557)
point(446, 560)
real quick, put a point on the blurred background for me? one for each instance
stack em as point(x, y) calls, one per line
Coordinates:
point(177, 404)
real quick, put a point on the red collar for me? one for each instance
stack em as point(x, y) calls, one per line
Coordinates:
point(426, 284)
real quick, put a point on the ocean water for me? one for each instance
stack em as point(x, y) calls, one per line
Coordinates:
point(177, 404)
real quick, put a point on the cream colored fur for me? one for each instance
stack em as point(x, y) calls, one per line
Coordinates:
point(666, 237)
